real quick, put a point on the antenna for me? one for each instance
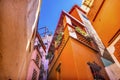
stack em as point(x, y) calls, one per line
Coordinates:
point(44, 31)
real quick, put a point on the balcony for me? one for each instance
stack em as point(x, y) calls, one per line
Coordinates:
point(83, 39)
point(82, 36)
point(87, 41)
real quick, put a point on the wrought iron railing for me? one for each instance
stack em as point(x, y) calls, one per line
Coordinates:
point(83, 39)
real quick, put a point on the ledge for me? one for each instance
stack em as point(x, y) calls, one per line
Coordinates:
point(85, 44)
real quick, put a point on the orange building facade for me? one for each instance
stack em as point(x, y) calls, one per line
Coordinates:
point(104, 16)
point(73, 53)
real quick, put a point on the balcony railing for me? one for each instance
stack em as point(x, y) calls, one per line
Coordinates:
point(87, 41)
point(83, 37)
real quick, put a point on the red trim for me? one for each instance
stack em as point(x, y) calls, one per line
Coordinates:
point(114, 37)
point(74, 19)
point(61, 16)
point(36, 48)
point(35, 64)
point(38, 51)
point(40, 40)
point(76, 6)
point(67, 24)
point(98, 10)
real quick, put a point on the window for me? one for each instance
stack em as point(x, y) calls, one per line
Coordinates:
point(46, 43)
point(58, 67)
point(37, 60)
point(39, 45)
point(42, 71)
point(58, 70)
point(34, 76)
point(84, 16)
point(95, 69)
point(88, 3)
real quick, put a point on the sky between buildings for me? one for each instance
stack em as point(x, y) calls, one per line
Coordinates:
point(51, 10)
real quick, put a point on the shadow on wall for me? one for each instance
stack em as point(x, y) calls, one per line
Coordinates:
point(107, 56)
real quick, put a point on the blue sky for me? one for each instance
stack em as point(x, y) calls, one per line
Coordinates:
point(51, 10)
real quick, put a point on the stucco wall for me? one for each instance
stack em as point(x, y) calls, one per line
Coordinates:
point(68, 70)
point(12, 37)
point(113, 72)
point(106, 19)
point(14, 58)
point(82, 55)
point(74, 62)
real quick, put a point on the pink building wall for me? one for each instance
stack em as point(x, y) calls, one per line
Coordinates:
point(30, 71)
point(33, 65)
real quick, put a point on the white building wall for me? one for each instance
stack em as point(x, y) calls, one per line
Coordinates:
point(71, 30)
point(111, 50)
point(92, 31)
point(113, 72)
